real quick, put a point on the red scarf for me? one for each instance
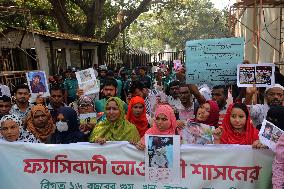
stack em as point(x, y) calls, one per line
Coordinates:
point(140, 122)
point(229, 136)
point(213, 117)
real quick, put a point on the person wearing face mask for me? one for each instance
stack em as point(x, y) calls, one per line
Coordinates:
point(67, 127)
point(40, 123)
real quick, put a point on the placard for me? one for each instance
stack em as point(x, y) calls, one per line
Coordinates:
point(262, 75)
point(197, 133)
point(161, 159)
point(87, 81)
point(269, 134)
point(88, 118)
point(37, 83)
point(213, 61)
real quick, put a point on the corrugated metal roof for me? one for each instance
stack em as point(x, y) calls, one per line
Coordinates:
point(59, 35)
point(67, 36)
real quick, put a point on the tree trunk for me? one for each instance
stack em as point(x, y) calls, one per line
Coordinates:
point(61, 15)
point(114, 31)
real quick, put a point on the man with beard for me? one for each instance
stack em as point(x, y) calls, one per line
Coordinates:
point(173, 94)
point(186, 110)
point(109, 90)
point(22, 106)
point(274, 96)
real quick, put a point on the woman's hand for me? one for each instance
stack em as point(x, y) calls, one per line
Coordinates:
point(100, 140)
point(257, 145)
point(140, 146)
point(217, 133)
point(86, 128)
point(180, 125)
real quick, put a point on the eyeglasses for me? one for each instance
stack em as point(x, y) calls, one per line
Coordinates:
point(85, 105)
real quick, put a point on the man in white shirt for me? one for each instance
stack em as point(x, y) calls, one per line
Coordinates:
point(173, 98)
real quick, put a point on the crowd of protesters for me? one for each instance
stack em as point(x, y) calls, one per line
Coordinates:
point(135, 102)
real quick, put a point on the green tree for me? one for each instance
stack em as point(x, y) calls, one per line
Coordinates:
point(103, 19)
point(177, 22)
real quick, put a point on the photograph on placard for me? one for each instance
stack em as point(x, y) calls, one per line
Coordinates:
point(247, 75)
point(177, 64)
point(269, 134)
point(197, 133)
point(262, 75)
point(37, 83)
point(85, 75)
point(162, 158)
point(88, 118)
point(87, 81)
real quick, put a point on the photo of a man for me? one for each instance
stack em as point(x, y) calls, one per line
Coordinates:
point(37, 83)
point(267, 131)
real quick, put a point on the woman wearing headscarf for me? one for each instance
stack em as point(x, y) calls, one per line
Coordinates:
point(136, 114)
point(276, 116)
point(40, 123)
point(67, 127)
point(164, 124)
point(237, 127)
point(12, 130)
point(208, 113)
point(85, 106)
point(115, 127)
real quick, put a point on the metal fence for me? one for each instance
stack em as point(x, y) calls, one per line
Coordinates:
point(133, 60)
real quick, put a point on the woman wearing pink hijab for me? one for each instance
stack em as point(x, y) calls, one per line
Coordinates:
point(164, 124)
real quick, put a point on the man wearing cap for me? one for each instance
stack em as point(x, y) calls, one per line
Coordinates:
point(273, 96)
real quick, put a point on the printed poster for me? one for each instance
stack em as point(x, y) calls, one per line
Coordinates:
point(87, 81)
point(213, 61)
point(197, 133)
point(88, 118)
point(37, 83)
point(269, 134)
point(177, 64)
point(262, 75)
point(162, 158)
